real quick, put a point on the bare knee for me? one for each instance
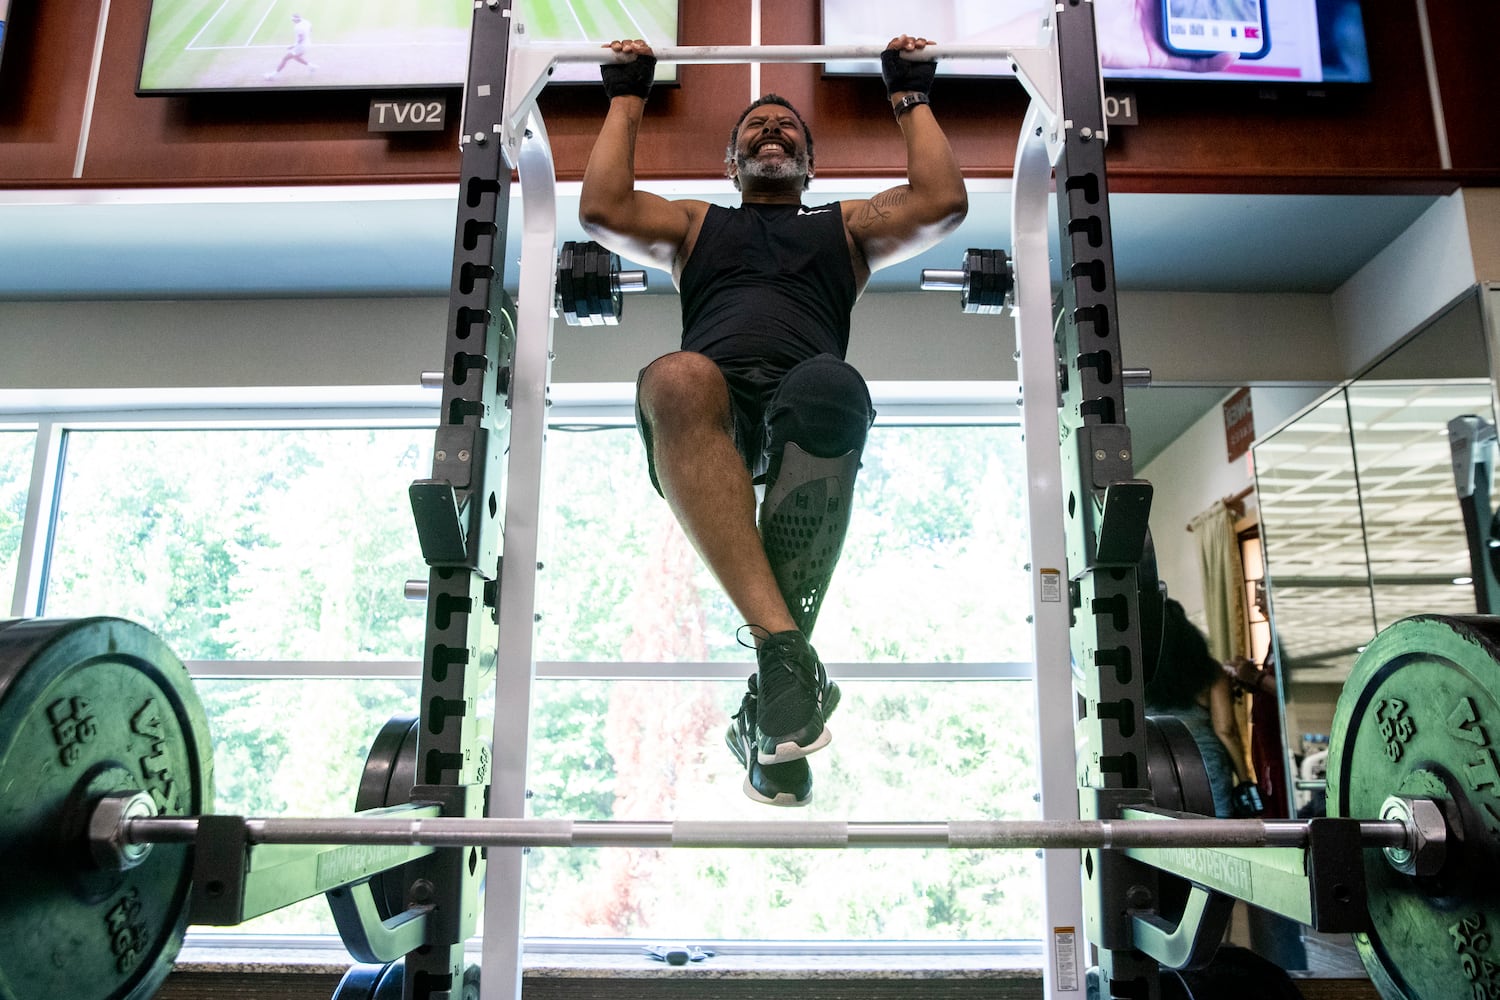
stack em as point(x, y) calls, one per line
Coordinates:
point(683, 390)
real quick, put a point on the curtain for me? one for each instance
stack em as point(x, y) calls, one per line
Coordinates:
point(1223, 582)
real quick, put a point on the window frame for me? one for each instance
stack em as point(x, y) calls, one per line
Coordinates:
point(52, 416)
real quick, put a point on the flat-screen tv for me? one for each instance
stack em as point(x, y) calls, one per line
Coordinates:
point(4, 23)
point(1309, 42)
point(223, 45)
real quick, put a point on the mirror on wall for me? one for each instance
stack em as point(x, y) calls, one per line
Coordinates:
point(1359, 512)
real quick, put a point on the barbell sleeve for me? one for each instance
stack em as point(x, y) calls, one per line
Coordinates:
point(943, 279)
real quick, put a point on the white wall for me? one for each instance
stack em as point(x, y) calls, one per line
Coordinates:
point(1419, 273)
point(1227, 339)
point(1194, 471)
point(1199, 338)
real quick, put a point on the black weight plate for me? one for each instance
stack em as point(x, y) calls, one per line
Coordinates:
point(610, 300)
point(1236, 974)
point(567, 294)
point(389, 775)
point(91, 706)
point(586, 275)
point(1174, 767)
point(392, 980)
point(597, 265)
point(1419, 716)
point(359, 983)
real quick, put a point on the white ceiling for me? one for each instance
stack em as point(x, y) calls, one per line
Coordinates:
point(398, 240)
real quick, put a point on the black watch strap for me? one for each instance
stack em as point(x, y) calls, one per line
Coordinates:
point(908, 102)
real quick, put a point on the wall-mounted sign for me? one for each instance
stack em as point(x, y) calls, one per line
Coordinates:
point(422, 114)
point(1239, 423)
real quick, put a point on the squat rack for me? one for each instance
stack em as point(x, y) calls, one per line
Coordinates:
point(478, 514)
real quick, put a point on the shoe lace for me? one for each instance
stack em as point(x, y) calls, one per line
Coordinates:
point(812, 681)
point(809, 677)
point(756, 633)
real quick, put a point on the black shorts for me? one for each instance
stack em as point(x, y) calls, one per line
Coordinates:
point(822, 404)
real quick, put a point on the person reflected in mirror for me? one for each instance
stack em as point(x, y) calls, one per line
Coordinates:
point(1192, 686)
point(760, 382)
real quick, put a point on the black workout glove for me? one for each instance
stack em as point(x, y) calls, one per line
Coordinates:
point(632, 77)
point(905, 74)
point(1244, 801)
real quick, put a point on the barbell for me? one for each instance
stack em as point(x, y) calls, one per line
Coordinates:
point(106, 784)
point(985, 283)
point(590, 285)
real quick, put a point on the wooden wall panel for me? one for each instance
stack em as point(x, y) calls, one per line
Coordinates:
point(42, 85)
point(1463, 40)
point(242, 138)
point(1192, 137)
point(1374, 138)
point(321, 137)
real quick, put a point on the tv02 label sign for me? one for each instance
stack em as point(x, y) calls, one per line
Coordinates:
point(415, 114)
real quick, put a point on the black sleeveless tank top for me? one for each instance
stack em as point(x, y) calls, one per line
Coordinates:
point(768, 285)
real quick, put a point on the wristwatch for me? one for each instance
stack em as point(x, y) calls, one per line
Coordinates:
point(908, 102)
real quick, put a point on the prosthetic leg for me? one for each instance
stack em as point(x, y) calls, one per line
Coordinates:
point(803, 520)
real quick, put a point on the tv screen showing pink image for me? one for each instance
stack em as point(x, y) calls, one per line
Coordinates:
point(1306, 42)
point(4, 26)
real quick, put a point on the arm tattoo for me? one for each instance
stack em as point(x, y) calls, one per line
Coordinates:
point(878, 209)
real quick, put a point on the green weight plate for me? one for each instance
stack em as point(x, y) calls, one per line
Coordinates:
point(91, 706)
point(1419, 716)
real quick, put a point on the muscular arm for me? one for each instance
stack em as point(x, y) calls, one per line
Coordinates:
point(636, 224)
point(1221, 713)
point(902, 221)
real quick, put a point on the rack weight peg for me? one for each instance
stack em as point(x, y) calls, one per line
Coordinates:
point(985, 281)
point(590, 284)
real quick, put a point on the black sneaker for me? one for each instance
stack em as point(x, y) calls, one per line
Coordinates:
point(788, 784)
point(795, 699)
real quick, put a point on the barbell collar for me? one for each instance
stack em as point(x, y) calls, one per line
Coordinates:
point(960, 834)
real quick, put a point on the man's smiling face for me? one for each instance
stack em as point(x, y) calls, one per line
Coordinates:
point(771, 150)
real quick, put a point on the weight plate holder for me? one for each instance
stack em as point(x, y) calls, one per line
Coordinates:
point(88, 707)
point(1419, 717)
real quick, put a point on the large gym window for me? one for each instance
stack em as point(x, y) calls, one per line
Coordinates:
point(244, 544)
point(16, 449)
point(903, 751)
point(271, 556)
point(933, 567)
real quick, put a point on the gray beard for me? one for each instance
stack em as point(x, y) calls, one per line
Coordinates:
point(788, 168)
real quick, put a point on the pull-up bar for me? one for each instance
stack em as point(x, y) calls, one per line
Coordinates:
point(720, 54)
point(531, 64)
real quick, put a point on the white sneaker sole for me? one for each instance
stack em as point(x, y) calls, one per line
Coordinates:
point(794, 751)
point(784, 799)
